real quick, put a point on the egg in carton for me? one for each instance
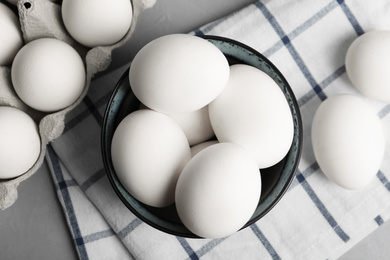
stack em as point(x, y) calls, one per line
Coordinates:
point(42, 19)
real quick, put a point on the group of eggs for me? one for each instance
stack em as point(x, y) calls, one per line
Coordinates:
point(347, 135)
point(165, 153)
point(48, 74)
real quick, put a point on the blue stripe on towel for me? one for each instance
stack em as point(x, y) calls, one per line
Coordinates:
point(129, 228)
point(198, 32)
point(98, 235)
point(293, 52)
point(384, 112)
point(91, 106)
point(76, 120)
point(326, 82)
point(93, 179)
point(208, 247)
point(94, 111)
point(303, 27)
point(265, 242)
point(306, 173)
point(79, 241)
point(183, 242)
point(66, 184)
point(379, 220)
point(351, 17)
point(321, 207)
point(383, 179)
point(313, 20)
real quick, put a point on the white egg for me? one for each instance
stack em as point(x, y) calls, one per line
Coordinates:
point(97, 22)
point(252, 111)
point(48, 74)
point(20, 142)
point(149, 150)
point(199, 147)
point(218, 190)
point(348, 141)
point(11, 39)
point(196, 125)
point(178, 73)
point(367, 63)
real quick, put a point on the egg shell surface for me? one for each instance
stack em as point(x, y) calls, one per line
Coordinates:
point(149, 150)
point(11, 39)
point(218, 190)
point(20, 142)
point(48, 74)
point(196, 125)
point(252, 111)
point(348, 141)
point(97, 22)
point(178, 73)
point(367, 64)
point(201, 146)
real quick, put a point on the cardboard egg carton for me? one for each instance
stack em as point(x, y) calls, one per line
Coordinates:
point(42, 19)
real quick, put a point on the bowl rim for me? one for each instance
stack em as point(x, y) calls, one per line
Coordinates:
point(284, 188)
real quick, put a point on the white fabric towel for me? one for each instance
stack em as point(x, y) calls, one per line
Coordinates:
point(307, 40)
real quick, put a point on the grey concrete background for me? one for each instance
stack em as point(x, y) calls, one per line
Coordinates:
point(35, 227)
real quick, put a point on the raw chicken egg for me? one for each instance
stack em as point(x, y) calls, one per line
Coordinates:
point(367, 64)
point(178, 73)
point(252, 111)
point(97, 22)
point(199, 147)
point(348, 141)
point(218, 190)
point(11, 39)
point(149, 150)
point(48, 74)
point(196, 125)
point(20, 142)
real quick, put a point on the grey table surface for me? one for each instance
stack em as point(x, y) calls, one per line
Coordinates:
point(35, 227)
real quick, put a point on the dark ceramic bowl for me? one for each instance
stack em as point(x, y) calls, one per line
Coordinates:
point(275, 180)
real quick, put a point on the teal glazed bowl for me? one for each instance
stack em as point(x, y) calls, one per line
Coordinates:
point(275, 180)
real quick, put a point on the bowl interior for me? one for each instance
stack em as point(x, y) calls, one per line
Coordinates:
point(275, 180)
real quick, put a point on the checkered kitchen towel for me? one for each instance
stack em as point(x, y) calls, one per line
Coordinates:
point(307, 40)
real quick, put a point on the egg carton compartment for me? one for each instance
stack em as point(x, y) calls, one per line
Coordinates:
point(42, 19)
